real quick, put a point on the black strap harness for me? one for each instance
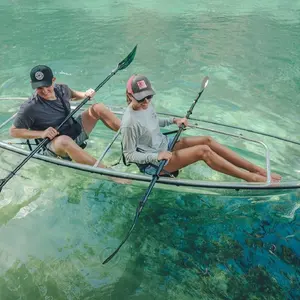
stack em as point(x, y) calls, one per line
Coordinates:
point(73, 131)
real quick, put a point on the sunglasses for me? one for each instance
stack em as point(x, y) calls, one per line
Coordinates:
point(148, 98)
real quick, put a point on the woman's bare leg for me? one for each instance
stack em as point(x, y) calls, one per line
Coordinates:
point(224, 152)
point(184, 157)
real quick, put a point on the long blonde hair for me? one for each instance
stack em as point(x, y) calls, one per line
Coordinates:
point(128, 87)
point(128, 100)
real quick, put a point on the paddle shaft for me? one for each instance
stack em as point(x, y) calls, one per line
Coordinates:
point(156, 176)
point(107, 148)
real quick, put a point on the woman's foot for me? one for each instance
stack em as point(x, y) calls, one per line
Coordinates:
point(260, 178)
point(257, 178)
point(274, 176)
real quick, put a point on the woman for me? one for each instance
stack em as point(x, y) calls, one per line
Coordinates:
point(144, 144)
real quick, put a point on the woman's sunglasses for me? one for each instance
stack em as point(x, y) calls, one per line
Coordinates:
point(148, 98)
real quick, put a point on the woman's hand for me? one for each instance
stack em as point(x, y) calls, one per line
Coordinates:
point(179, 121)
point(164, 155)
point(50, 133)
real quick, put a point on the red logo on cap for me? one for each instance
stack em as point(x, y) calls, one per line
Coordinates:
point(141, 84)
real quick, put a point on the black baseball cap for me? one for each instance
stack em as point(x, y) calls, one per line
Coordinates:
point(139, 87)
point(41, 76)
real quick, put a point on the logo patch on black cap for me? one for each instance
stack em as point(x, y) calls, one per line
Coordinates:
point(141, 84)
point(39, 75)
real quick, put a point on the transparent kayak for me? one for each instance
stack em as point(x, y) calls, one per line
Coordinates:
point(197, 178)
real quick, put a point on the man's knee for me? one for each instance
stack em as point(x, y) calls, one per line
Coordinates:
point(62, 142)
point(96, 110)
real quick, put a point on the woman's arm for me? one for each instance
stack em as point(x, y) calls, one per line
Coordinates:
point(178, 121)
point(163, 122)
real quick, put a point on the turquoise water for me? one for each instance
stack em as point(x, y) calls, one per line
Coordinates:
point(57, 226)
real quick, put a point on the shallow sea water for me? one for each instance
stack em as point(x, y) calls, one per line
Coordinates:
point(57, 225)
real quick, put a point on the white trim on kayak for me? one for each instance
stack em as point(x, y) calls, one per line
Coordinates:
point(164, 180)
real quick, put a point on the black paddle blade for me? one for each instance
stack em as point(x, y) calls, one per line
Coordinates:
point(112, 255)
point(204, 82)
point(128, 60)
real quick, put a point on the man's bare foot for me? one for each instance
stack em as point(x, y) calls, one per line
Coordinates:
point(120, 180)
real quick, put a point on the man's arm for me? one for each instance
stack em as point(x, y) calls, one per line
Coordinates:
point(22, 133)
point(77, 95)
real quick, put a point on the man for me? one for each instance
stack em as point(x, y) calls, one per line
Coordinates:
point(46, 109)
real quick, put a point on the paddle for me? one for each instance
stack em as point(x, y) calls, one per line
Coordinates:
point(122, 65)
point(156, 175)
point(106, 149)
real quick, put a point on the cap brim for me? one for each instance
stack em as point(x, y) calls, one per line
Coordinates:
point(141, 95)
point(38, 84)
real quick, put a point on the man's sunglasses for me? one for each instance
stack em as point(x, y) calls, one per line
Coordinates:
point(148, 98)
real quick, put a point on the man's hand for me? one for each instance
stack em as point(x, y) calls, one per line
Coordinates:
point(90, 93)
point(50, 133)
